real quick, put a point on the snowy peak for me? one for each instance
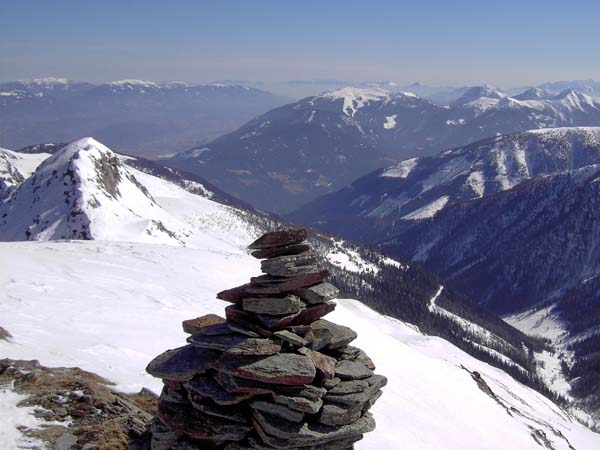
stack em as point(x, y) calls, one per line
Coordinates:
point(355, 98)
point(479, 92)
point(46, 81)
point(532, 94)
point(81, 192)
point(87, 191)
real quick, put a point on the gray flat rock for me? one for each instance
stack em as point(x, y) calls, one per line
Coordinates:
point(320, 293)
point(352, 370)
point(206, 387)
point(182, 363)
point(277, 410)
point(291, 338)
point(283, 368)
point(236, 344)
point(276, 306)
point(307, 434)
point(309, 406)
point(337, 414)
point(331, 336)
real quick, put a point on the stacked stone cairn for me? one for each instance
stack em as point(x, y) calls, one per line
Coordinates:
point(272, 374)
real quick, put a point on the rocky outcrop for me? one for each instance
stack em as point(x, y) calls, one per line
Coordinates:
point(75, 409)
point(272, 374)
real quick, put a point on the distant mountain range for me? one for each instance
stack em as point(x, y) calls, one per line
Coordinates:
point(140, 117)
point(297, 152)
point(392, 200)
point(437, 93)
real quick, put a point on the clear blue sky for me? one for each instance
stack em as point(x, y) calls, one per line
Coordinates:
point(504, 42)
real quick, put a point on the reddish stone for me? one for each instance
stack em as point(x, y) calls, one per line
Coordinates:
point(310, 315)
point(192, 326)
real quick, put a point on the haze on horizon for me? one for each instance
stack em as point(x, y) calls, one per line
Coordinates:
point(510, 43)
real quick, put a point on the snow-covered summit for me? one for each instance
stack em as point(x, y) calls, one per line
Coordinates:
point(355, 98)
point(85, 191)
point(46, 81)
point(131, 83)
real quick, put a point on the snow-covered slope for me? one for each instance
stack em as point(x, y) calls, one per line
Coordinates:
point(110, 307)
point(86, 191)
point(388, 201)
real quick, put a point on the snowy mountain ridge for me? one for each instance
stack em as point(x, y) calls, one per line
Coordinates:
point(389, 200)
point(330, 140)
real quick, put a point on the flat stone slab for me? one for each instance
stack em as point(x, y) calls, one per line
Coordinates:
point(313, 313)
point(182, 363)
point(307, 434)
point(236, 315)
point(336, 414)
point(233, 413)
point(236, 344)
point(353, 354)
point(352, 370)
point(290, 265)
point(283, 286)
point(307, 391)
point(349, 387)
point(240, 329)
point(277, 410)
point(198, 425)
point(291, 338)
point(207, 387)
point(192, 326)
point(215, 329)
point(280, 238)
point(342, 444)
point(319, 293)
point(300, 330)
point(330, 336)
point(276, 322)
point(284, 250)
point(301, 404)
point(376, 382)
point(282, 368)
point(289, 304)
point(242, 385)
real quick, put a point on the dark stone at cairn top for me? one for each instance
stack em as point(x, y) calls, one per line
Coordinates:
point(280, 238)
point(272, 374)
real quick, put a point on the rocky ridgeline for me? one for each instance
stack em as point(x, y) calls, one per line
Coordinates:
point(273, 373)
